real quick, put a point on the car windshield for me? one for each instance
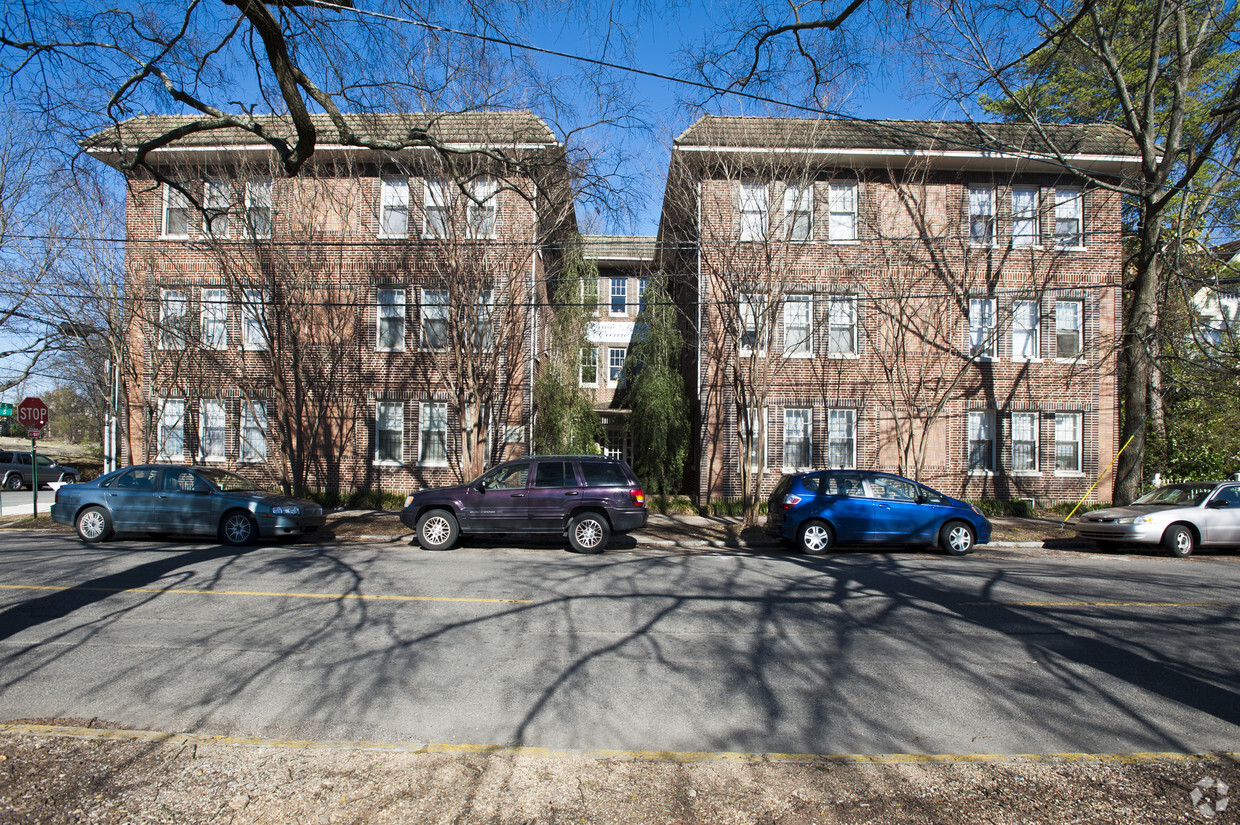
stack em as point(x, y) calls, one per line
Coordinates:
point(1177, 495)
point(230, 482)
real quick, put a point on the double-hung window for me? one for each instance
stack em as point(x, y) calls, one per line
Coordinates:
point(1024, 216)
point(258, 208)
point(437, 201)
point(981, 215)
point(171, 445)
point(253, 431)
point(253, 319)
point(1068, 442)
point(588, 372)
point(842, 326)
point(982, 327)
point(1024, 442)
point(390, 432)
point(394, 207)
point(213, 324)
point(642, 285)
point(434, 319)
point(215, 198)
point(589, 295)
point(799, 326)
point(433, 434)
point(484, 311)
point(172, 319)
point(482, 208)
point(211, 430)
point(1068, 328)
point(799, 211)
point(176, 212)
point(842, 439)
point(842, 206)
point(615, 364)
point(752, 312)
point(1069, 225)
point(1025, 323)
point(752, 432)
point(754, 211)
point(619, 296)
point(798, 438)
point(391, 320)
point(981, 442)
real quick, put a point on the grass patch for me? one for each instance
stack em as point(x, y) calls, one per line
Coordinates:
point(731, 507)
point(43, 522)
point(671, 505)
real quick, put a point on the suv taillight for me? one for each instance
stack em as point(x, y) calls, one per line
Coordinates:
point(639, 498)
point(791, 501)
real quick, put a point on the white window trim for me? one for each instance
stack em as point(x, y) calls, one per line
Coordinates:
point(763, 431)
point(393, 192)
point(791, 193)
point(852, 458)
point(422, 414)
point(248, 305)
point(612, 295)
point(247, 410)
point(161, 454)
point(989, 418)
point(1037, 333)
point(387, 462)
point(169, 191)
point(1079, 472)
point(429, 204)
point(620, 375)
point(989, 192)
point(1080, 331)
point(990, 332)
point(168, 339)
point(399, 302)
point(478, 188)
point(789, 301)
point(810, 436)
point(423, 306)
point(851, 187)
point(202, 430)
point(581, 382)
point(204, 303)
point(758, 195)
point(1073, 193)
point(216, 185)
point(851, 300)
point(1037, 458)
point(757, 303)
point(250, 187)
point(1036, 242)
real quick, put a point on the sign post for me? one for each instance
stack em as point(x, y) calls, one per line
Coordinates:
point(32, 414)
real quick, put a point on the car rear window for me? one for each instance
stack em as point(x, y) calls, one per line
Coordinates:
point(603, 474)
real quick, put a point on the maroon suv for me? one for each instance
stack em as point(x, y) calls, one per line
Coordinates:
point(587, 498)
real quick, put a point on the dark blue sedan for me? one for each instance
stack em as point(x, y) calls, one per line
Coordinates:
point(173, 498)
point(814, 511)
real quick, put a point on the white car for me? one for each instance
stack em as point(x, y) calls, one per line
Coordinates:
point(1180, 517)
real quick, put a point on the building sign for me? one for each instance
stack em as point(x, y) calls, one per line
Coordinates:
point(614, 332)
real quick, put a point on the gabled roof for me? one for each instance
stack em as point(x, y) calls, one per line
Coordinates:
point(499, 129)
point(920, 136)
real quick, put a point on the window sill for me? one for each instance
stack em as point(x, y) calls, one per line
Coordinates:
point(1073, 360)
point(388, 464)
point(1037, 247)
point(980, 473)
point(1059, 248)
point(389, 349)
point(251, 461)
point(799, 356)
point(844, 356)
point(206, 459)
point(431, 464)
point(1017, 360)
point(383, 237)
point(593, 386)
point(174, 237)
point(1027, 473)
point(1069, 474)
point(844, 241)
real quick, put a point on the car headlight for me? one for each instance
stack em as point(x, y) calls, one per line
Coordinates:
point(286, 510)
point(1134, 520)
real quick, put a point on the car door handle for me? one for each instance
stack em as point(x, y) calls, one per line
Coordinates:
point(518, 495)
point(573, 493)
point(884, 506)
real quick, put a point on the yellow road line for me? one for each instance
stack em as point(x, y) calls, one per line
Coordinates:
point(1096, 604)
point(21, 729)
point(358, 596)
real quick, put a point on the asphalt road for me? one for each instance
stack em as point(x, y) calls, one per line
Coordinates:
point(636, 649)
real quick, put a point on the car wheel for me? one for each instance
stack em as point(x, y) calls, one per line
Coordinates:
point(956, 538)
point(94, 525)
point(588, 533)
point(438, 530)
point(13, 482)
point(1179, 541)
point(68, 479)
point(238, 528)
point(815, 538)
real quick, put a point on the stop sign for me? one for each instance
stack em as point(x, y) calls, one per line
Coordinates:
point(32, 414)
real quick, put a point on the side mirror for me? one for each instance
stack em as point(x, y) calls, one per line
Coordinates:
point(1217, 504)
point(922, 498)
point(482, 487)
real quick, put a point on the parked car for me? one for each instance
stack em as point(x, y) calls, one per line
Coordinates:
point(586, 498)
point(1180, 517)
point(816, 510)
point(18, 472)
point(174, 498)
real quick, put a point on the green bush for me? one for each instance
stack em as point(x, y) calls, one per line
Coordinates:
point(671, 505)
point(1063, 508)
point(730, 507)
point(1018, 508)
point(358, 500)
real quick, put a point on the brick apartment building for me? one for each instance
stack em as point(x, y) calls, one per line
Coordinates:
point(367, 324)
point(936, 299)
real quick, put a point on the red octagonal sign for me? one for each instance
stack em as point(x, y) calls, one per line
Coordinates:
point(32, 414)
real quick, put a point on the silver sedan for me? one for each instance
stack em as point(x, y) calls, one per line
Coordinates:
point(1180, 517)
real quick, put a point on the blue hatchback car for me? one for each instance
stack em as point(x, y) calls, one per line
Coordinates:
point(813, 511)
